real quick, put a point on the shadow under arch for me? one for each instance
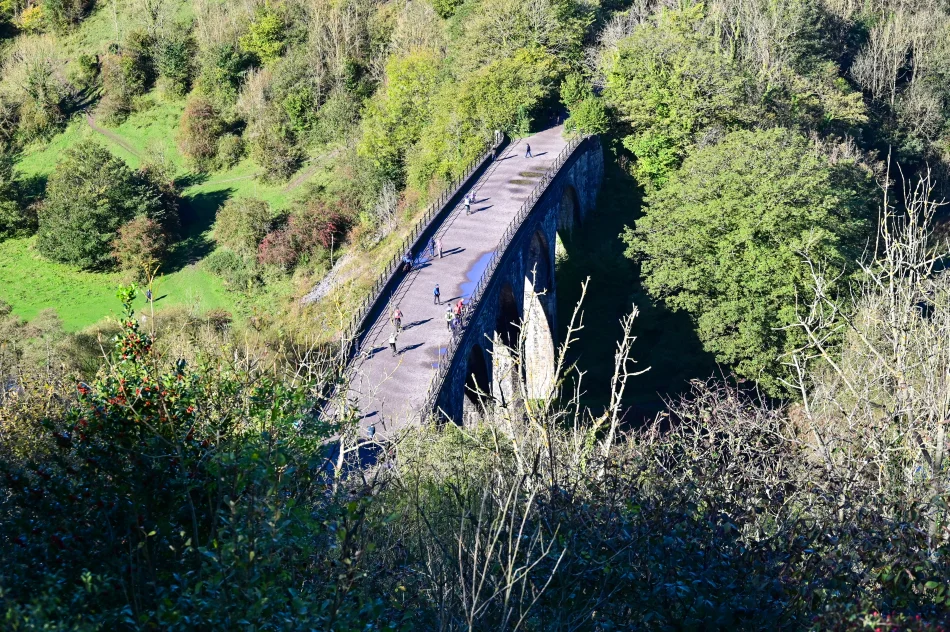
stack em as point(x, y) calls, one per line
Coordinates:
point(568, 221)
point(506, 371)
point(477, 380)
point(569, 212)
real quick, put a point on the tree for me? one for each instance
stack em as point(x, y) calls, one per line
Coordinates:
point(588, 117)
point(724, 240)
point(264, 37)
point(90, 194)
point(396, 117)
point(668, 81)
point(499, 28)
point(126, 75)
point(174, 61)
point(242, 223)
point(139, 246)
point(277, 249)
point(35, 82)
point(273, 145)
point(446, 8)
point(500, 96)
point(198, 131)
point(16, 219)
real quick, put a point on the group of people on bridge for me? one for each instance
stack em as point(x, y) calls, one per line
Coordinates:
point(453, 313)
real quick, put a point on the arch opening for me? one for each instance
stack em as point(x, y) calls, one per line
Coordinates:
point(569, 212)
point(568, 220)
point(506, 325)
point(477, 380)
point(505, 367)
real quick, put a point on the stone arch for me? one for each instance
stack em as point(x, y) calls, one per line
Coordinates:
point(568, 220)
point(506, 324)
point(538, 270)
point(537, 326)
point(477, 379)
point(569, 212)
point(506, 378)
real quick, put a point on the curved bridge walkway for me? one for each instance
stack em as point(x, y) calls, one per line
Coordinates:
point(389, 390)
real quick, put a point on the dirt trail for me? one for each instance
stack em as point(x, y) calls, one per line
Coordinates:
point(311, 169)
point(115, 138)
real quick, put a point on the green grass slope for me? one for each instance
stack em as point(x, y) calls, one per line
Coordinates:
point(31, 284)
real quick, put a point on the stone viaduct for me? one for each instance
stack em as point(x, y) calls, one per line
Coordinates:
point(500, 261)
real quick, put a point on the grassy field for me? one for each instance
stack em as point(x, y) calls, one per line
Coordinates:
point(31, 284)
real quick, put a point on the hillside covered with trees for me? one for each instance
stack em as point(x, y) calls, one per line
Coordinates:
point(773, 206)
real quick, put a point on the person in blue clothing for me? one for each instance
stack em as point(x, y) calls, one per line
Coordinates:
point(436, 296)
point(527, 151)
point(431, 248)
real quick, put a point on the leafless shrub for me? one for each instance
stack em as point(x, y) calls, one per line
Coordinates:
point(875, 379)
point(337, 34)
point(384, 211)
point(418, 28)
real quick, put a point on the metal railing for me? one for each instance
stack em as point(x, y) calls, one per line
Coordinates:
point(445, 359)
point(357, 323)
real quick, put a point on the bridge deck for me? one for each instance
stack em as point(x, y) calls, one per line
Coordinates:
point(389, 389)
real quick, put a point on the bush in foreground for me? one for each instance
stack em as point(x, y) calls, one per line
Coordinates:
point(164, 487)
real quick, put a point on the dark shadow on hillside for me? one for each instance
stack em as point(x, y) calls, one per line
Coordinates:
point(32, 188)
point(666, 341)
point(197, 217)
point(190, 179)
point(85, 100)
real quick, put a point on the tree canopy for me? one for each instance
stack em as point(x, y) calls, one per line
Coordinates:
point(668, 82)
point(90, 194)
point(725, 240)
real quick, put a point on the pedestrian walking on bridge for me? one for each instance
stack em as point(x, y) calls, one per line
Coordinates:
point(397, 318)
point(392, 342)
point(438, 246)
point(449, 318)
point(431, 248)
point(459, 307)
point(437, 297)
point(527, 151)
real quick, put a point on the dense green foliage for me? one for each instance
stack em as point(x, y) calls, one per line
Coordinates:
point(668, 82)
point(729, 236)
point(89, 196)
point(163, 485)
point(396, 118)
point(499, 96)
point(241, 224)
point(139, 247)
point(16, 218)
point(174, 492)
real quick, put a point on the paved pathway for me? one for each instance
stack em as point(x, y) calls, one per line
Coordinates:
point(389, 389)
